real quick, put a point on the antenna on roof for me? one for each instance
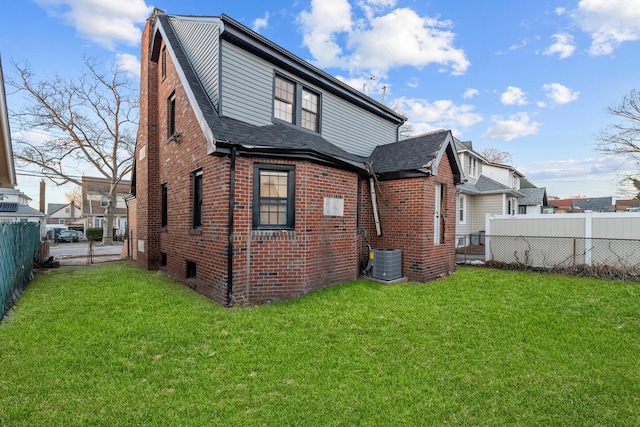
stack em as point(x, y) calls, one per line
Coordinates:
point(372, 78)
point(384, 90)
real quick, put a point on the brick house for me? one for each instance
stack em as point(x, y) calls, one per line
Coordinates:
point(259, 177)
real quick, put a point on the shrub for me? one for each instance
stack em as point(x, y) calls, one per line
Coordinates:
point(94, 234)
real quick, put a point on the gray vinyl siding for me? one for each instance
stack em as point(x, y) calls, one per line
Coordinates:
point(247, 95)
point(247, 86)
point(353, 129)
point(200, 41)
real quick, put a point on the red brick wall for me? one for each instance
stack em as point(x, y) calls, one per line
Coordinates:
point(406, 209)
point(268, 265)
point(147, 202)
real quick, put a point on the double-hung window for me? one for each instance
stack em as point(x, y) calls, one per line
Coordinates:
point(273, 196)
point(296, 104)
point(462, 209)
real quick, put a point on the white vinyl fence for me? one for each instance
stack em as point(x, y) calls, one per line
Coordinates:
point(560, 241)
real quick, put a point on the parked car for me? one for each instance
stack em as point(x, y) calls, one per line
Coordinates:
point(68, 236)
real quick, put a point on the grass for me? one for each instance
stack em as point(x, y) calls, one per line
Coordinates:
point(115, 345)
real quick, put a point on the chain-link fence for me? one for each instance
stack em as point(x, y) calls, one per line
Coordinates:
point(85, 252)
point(598, 257)
point(18, 253)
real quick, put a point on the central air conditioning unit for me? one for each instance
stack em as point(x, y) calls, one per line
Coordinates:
point(386, 264)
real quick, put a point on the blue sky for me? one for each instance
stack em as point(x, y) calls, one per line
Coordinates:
point(531, 77)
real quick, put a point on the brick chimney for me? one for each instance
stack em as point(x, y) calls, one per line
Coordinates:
point(42, 191)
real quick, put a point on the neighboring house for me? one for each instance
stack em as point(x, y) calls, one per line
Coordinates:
point(631, 205)
point(588, 204)
point(488, 188)
point(14, 205)
point(94, 203)
point(535, 200)
point(64, 214)
point(593, 204)
point(260, 177)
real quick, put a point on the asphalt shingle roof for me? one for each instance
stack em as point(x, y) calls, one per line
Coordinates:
point(408, 154)
point(532, 196)
point(277, 136)
point(55, 207)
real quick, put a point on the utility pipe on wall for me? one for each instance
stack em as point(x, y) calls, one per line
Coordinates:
point(374, 204)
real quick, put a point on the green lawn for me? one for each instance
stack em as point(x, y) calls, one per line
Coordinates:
point(115, 345)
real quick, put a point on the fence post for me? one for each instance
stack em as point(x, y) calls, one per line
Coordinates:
point(588, 223)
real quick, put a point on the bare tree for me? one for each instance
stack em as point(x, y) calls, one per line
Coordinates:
point(74, 196)
point(89, 122)
point(406, 130)
point(622, 138)
point(494, 155)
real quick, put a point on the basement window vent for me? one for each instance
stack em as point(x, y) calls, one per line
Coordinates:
point(191, 270)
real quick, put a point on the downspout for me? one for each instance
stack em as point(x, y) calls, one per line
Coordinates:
point(232, 192)
point(374, 204)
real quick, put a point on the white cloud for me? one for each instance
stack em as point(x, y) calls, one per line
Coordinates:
point(321, 25)
point(560, 11)
point(426, 116)
point(107, 23)
point(560, 94)
point(564, 46)
point(515, 126)
point(378, 42)
point(609, 22)
point(260, 23)
point(128, 63)
point(470, 93)
point(513, 96)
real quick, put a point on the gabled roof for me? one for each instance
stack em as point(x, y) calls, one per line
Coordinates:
point(7, 165)
point(421, 153)
point(486, 185)
point(222, 132)
point(55, 207)
point(533, 196)
point(467, 146)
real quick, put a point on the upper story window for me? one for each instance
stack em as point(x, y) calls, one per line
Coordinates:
point(171, 115)
point(309, 110)
point(104, 202)
point(273, 196)
point(514, 182)
point(163, 61)
point(283, 100)
point(472, 167)
point(296, 104)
